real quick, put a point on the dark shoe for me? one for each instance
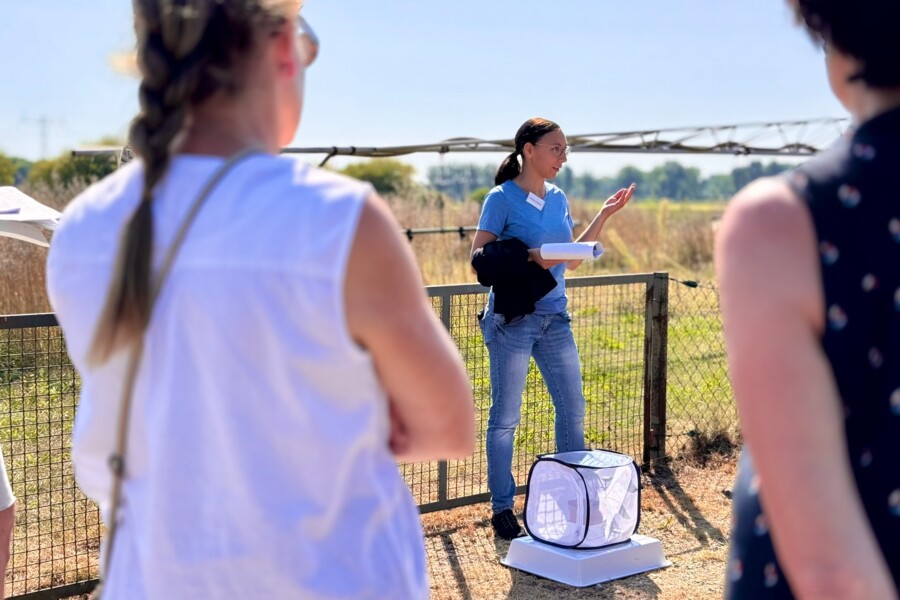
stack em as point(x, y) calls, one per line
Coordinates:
point(505, 525)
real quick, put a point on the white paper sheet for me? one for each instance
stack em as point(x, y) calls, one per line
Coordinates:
point(572, 251)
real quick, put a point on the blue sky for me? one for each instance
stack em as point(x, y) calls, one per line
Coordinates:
point(417, 71)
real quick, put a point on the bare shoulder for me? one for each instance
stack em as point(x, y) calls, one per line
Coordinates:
point(766, 252)
point(379, 243)
point(376, 219)
point(767, 209)
point(380, 253)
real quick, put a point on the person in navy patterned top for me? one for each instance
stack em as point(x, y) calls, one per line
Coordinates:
point(809, 269)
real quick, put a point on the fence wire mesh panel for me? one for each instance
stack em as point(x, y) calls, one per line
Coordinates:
point(468, 478)
point(700, 401)
point(57, 533)
point(608, 322)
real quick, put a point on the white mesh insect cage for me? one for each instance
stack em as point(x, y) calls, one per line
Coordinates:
point(584, 499)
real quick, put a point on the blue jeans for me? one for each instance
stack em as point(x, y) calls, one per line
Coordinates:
point(510, 346)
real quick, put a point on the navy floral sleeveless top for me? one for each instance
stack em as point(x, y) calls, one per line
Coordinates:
point(853, 194)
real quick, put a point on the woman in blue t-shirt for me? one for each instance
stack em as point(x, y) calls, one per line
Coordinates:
point(527, 211)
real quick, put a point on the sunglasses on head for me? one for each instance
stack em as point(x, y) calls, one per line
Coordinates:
point(308, 40)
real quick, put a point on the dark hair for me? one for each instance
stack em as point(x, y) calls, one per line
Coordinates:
point(530, 132)
point(863, 29)
point(187, 52)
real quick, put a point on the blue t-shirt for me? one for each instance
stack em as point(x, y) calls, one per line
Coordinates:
point(507, 214)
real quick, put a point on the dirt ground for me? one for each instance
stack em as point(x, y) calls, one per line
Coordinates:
point(685, 505)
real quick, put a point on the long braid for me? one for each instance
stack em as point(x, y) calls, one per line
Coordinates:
point(188, 50)
point(166, 35)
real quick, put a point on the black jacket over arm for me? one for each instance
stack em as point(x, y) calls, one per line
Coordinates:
point(518, 283)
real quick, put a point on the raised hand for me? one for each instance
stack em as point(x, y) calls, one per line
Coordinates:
point(618, 200)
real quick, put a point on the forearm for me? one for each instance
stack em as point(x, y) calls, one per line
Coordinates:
point(592, 231)
point(590, 234)
point(7, 520)
point(823, 556)
point(615, 203)
point(431, 399)
point(805, 475)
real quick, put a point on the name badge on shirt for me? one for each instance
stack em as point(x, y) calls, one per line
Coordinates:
point(536, 202)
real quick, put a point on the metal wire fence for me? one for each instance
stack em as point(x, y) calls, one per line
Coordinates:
point(57, 533)
point(640, 388)
point(610, 328)
point(699, 401)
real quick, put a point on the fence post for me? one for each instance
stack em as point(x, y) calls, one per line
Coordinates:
point(655, 359)
point(443, 476)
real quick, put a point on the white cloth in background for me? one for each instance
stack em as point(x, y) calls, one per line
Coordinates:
point(258, 462)
point(22, 217)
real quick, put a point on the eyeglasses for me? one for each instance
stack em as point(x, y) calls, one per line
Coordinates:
point(309, 41)
point(557, 150)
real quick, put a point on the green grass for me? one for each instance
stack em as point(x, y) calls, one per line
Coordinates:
point(608, 324)
point(58, 530)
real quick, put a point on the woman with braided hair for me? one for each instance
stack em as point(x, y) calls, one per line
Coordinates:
point(251, 372)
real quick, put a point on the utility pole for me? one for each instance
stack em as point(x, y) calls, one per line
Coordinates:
point(43, 124)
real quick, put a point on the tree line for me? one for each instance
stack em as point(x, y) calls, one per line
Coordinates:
point(63, 171)
point(670, 180)
point(459, 181)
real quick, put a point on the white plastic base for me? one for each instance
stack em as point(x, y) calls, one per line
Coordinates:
point(581, 568)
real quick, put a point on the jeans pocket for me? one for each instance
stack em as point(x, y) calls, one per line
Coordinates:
point(487, 324)
point(501, 321)
point(493, 326)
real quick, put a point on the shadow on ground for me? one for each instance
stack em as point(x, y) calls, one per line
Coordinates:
point(680, 505)
point(683, 507)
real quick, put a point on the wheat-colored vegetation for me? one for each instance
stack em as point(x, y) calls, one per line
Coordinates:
point(645, 237)
point(22, 281)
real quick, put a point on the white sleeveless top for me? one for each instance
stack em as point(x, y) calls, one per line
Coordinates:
point(258, 462)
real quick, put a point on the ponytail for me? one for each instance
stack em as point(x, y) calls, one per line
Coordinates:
point(509, 169)
point(530, 132)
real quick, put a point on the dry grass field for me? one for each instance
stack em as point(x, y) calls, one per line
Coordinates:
point(646, 237)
